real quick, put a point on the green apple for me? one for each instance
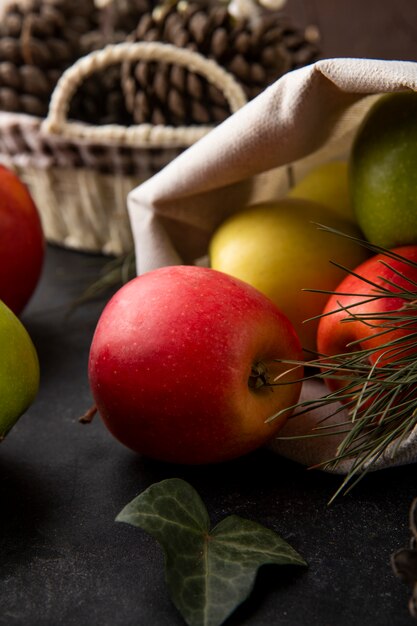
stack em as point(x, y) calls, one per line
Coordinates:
point(19, 370)
point(327, 184)
point(383, 171)
point(278, 248)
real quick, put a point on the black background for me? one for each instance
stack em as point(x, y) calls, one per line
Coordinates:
point(64, 561)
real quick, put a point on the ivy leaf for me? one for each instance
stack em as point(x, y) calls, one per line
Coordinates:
point(209, 573)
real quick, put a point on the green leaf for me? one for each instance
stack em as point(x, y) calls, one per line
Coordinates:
point(209, 573)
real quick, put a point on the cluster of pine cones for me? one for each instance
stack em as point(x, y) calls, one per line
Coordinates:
point(39, 39)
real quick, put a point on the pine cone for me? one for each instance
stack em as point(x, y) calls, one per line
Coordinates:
point(256, 53)
point(39, 39)
point(99, 99)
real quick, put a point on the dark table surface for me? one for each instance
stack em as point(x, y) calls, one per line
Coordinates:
point(64, 561)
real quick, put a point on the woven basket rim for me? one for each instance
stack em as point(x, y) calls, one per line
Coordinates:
point(25, 120)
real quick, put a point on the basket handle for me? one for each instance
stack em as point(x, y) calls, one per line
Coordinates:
point(56, 122)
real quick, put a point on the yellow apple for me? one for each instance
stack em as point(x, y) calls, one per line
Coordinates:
point(279, 249)
point(327, 184)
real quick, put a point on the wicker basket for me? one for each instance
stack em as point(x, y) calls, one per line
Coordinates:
point(80, 175)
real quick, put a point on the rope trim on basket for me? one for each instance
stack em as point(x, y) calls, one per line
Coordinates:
point(147, 135)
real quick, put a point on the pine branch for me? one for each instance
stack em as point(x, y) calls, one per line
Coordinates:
point(376, 385)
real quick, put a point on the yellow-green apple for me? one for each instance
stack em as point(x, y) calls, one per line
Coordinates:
point(383, 176)
point(278, 248)
point(19, 370)
point(182, 366)
point(327, 184)
point(21, 242)
point(359, 311)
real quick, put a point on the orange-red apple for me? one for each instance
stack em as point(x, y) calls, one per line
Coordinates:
point(359, 312)
point(21, 242)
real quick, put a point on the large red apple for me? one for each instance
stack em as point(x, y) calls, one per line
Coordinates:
point(21, 242)
point(181, 364)
point(357, 312)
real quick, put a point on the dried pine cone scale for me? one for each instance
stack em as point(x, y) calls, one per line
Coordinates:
point(123, 15)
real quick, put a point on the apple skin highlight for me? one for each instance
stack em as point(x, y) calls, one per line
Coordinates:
point(171, 360)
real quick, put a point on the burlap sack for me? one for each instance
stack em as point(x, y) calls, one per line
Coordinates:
point(308, 116)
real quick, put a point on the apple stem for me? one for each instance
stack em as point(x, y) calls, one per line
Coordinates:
point(88, 416)
point(259, 376)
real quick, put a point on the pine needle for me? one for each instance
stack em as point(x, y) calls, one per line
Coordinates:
point(113, 275)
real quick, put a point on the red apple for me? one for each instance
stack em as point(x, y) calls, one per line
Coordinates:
point(355, 296)
point(180, 364)
point(21, 242)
